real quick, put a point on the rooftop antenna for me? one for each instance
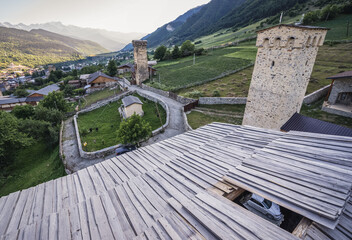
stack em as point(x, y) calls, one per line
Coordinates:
point(282, 13)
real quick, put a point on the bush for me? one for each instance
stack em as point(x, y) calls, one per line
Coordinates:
point(199, 51)
point(196, 94)
point(216, 93)
point(79, 91)
point(39, 129)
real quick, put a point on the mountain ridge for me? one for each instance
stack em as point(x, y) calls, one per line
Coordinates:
point(40, 47)
point(110, 40)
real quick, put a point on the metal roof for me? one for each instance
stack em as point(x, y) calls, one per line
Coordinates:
point(95, 75)
point(347, 74)
point(11, 100)
point(167, 189)
point(302, 123)
point(129, 100)
point(46, 90)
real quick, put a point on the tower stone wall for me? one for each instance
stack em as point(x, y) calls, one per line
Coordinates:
point(140, 60)
point(284, 63)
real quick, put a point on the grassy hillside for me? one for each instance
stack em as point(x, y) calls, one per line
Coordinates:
point(330, 61)
point(33, 165)
point(178, 74)
point(39, 47)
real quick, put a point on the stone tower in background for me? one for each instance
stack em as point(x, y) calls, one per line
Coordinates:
point(140, 61)
point(284, 63)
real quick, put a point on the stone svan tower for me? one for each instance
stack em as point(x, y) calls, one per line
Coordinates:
point(284, 63)
point(140, 61)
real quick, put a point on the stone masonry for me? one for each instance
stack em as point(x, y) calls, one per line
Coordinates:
point(140, 60)
point(284, 63)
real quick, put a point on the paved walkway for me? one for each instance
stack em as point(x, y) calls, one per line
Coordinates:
point(73, 162)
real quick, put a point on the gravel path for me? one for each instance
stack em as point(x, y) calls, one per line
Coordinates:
point(73, 162)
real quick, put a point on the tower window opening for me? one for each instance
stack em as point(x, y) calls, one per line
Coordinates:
point(272, 64)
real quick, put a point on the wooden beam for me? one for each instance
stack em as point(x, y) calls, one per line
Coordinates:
point(234, 194)
point(302, 227)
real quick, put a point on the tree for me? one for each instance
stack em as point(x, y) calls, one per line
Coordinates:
point(112, 68)
point(40, 130)
point(176, 52)
point(53, 116)
point(187, 48)
point(23, 112)
point(167, 55)
point(160, 53)
point(133, 130)
point(20, 92)
point(11, 139)
point(52, 77)
point(55, 100)
point(68, 90)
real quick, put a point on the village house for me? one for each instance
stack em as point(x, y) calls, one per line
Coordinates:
point(131, 105)
point(339, 98)
point(99, 81)
point(8, 103)
point(124, 68)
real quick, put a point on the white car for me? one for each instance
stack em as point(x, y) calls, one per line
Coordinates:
point(269, 209)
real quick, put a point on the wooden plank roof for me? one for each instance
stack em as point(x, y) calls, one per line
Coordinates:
point(161, 191)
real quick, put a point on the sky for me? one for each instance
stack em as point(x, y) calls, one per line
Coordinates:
point(116, 15)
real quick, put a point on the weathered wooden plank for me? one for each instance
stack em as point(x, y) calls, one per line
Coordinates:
point(64, 230)
point(48, 198)
point(19, 207)
point(72, 192)
point(65, 196)
point(112, 217)
point(53, 227)
point(78, 187)
point(120, 212)
point(83, 220)
point(6, 214)
point(117, 175)
point(105, 176)
point(76, 230)
point(101, 219)
point(86, 183)
point(96, 180)
point(302, 227)
point(144, 201)
point(130, 211)
point(93, 227)
point(28, 207)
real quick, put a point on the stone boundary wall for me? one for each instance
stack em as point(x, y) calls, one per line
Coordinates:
point(155, 90)
point(110, 150)
point(164, 105)
point(187, 126)
point(61, 149)
point(180, 99)
point(310, 98)
point(314, 96)
point(222, 100)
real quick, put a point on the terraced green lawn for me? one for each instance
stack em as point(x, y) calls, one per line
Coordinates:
point(105, 121)
point(97, 96)
point(181, 73)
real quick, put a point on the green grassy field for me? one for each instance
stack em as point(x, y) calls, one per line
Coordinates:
point(216, 113)
point(107, 120)
point(32, 166)
point(175, 74)
point(97, 96)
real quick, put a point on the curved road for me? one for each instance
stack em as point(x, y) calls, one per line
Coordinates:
point(73, 162)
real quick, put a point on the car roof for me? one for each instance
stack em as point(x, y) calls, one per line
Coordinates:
point(257, 197)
